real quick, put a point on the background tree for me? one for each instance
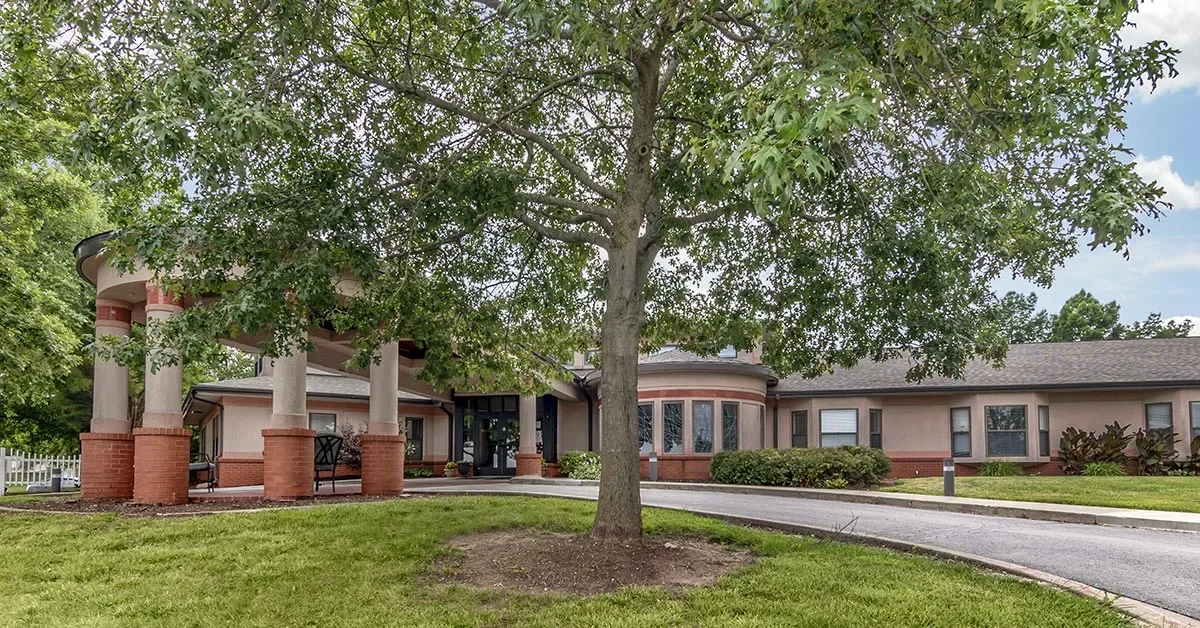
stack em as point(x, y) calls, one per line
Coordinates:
point(1083, 317)
point(1019, 320)
point(841, 179)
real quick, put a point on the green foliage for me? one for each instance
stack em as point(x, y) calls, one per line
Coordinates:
point(1077, 448)
point(1098, 469)
point(1155, 451)
point(806, 467)
point(1018, 319)
point(1082, 317)
point(999, 468)
point(580, 465)
point(417, 472)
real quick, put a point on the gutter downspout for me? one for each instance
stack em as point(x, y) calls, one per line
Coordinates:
point(450, 431)
point(775, 422)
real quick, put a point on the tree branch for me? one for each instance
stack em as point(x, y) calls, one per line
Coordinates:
point(577, 171)
point(562, 235)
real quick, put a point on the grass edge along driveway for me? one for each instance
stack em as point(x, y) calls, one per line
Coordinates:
point(1179, 494)
point(362, 565)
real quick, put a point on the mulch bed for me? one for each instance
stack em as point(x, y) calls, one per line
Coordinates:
point(544, 562)
point(127, 509)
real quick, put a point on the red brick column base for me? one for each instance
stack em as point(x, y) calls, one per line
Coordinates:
point(382, 464)
point(239, 471)
point(287, 463)
point(529, 464)
point(160, 465)
point(106, 466)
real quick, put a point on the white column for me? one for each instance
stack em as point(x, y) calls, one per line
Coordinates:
point(164, 387)
point(289, 389)
point(527, 419)
point(110, 383)
point(385, 375)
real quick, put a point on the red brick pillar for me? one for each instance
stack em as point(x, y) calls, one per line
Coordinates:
point(288, 463)
point(382, 464)
point(160, 465)
point(529, 464)
point(106, 466)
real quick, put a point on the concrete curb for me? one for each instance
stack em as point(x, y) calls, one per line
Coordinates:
point(1062, 513)
point(1144, 613)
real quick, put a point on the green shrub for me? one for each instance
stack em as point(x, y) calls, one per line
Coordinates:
point(1076, 448)
point(580, 465)
point(814, 468)
point(417, 472)
point(1103, 469)
point(1155, 451)
point(1111, 445)
point(999, 469)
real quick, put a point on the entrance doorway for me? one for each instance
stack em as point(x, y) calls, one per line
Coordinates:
point(489, 433)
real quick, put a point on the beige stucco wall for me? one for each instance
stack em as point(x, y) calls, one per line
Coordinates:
point(572, 426)
point(246, 417)
point(679, 380)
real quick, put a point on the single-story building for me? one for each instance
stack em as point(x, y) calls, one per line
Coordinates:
point(692, 406)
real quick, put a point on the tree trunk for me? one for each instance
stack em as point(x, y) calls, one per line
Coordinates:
point(619, 513)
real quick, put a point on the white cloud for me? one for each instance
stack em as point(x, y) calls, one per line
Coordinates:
point(1180, 193)
point(1195, 323)
point(1188, 259)
point(1176, 22)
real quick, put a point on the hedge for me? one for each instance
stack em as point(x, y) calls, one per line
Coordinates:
point(814, 468)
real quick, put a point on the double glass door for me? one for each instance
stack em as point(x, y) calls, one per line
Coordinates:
point(490, 434)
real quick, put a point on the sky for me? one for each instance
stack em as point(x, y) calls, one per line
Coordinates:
point(1163, 272)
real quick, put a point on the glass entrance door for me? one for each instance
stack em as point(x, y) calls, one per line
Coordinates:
point(498, 441)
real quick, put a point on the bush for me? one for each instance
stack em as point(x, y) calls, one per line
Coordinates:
point(351, 452)
point(1155, 451)
point(580, 465)
point(1111, 445)
point(999, 469)
point(1078, 448)
point(1103, 469)
point(813, 468)
point(417, 472)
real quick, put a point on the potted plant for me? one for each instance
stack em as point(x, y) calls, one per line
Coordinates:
point(464, 468)
point(451, 469)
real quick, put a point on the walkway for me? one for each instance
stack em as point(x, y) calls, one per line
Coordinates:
point(1157, 567)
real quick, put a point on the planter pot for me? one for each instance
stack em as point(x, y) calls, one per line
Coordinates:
point(464, 469)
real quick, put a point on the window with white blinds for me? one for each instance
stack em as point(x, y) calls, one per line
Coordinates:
point(1158, 418)
point(839, 427)
point(960, 432)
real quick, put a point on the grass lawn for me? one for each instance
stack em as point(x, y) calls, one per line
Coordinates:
point(360, 565)
point(1144, 493)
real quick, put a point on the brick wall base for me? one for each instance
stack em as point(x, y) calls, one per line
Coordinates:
point(160, 465)
point(287, 463)
point(679, 467)
point(529, 464)
point(106, 466)
point(382, 464)
point(239, 471)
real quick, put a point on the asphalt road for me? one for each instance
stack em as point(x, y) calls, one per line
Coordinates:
point(1157, 567)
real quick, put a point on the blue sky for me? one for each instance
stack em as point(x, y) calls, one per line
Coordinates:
point(1163, 272)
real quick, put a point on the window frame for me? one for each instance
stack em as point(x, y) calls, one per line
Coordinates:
point(311, 415)
point(803, 416)
point(1170, 417)
point(873, 415)
point(640, 431)
point(1024, 430)
point(821, 426)
point(1043, 431)
point(970, 438)
point(712, 409)
point(737, 425)
point(419, 423)
point(665, 447)
point(1194, 410)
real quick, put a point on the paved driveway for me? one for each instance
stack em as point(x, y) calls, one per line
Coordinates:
point(1158, 567)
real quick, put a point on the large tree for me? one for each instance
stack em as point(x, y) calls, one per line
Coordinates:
point(840, 180)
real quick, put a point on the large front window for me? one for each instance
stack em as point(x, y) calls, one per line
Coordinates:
point(645, 428)
point(672, 427)
point(1006, 431)
point(839, 427)
point(702, 427)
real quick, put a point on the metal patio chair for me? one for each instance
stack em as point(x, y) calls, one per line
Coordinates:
point(326, 450)
point(203, 463)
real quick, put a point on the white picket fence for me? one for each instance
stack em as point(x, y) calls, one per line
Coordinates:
point(22, 469)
